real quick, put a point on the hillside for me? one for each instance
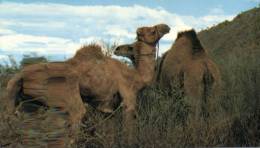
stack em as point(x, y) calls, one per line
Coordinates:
point(242, 34)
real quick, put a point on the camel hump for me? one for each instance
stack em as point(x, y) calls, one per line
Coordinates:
point(192, 36)
point(89, 51)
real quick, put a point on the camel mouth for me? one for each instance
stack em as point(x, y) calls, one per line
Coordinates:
point(166, 29)
point(120, 54)
point(163, 29)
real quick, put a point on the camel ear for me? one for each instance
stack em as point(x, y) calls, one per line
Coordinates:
point(139, 33)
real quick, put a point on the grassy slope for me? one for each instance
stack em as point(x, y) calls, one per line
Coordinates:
point(240, 35)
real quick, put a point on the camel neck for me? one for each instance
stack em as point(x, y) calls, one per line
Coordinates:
point(145, 65)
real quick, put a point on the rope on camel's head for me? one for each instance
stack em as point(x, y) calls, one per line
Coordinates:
point(157, 51)
point(157, 57)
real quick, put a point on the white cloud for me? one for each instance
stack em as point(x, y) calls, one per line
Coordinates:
point(59, 28)
point(119, 32)
point(4, 31)
point(3, 57)
point(40, 44)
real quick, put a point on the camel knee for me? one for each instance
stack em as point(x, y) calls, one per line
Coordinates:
point(129, 108)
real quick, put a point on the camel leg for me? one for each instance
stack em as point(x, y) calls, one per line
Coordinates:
point(111, 132)
point(194, 89)
point(129, 116)
point(68, 94)
point(193, 96)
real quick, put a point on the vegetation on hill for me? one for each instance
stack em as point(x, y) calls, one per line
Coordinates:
point(27, 59)
point(242, 35)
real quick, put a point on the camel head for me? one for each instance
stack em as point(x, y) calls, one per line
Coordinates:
point(147, 35)
point(151, 35)
point(135, 50)
point(125, 51)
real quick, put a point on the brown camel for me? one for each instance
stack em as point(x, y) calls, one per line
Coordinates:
point(188, 66)
point(99, 80)
point(116, 81)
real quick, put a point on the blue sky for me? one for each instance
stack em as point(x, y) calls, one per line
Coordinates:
point(56, 29)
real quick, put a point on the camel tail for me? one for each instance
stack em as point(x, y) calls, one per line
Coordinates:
point(208, 81)
point(14, 87)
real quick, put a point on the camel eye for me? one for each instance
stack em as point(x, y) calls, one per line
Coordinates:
point(130, 48)
point(153, 32)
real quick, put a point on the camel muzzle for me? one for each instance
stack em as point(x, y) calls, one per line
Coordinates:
point(162, 29)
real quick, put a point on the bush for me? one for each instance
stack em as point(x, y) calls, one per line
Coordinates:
point(27, 60)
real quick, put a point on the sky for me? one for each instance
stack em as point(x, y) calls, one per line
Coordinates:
point(57, 28)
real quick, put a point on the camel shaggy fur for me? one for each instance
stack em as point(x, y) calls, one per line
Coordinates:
point(188, 66)
point(92, 77)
